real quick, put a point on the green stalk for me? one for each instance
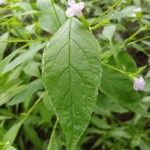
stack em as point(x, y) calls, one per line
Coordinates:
point(31, 109)
point(84, 21)
point(100, 24)
point(96, 20)
point(114, 68)
point(132, 36)
point(52, 135)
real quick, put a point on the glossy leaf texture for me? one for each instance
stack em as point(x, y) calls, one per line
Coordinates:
point(51, 16)
point(71, 74)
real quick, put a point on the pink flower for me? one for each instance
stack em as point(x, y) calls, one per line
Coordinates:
point(74, 9)
point(139, 84)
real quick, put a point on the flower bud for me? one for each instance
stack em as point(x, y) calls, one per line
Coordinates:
point(139, 84)
point(74, 9)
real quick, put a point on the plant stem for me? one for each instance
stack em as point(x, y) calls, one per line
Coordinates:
point(114, 68)
point(100, 24)
point(52, 135)
point(116, 4)
point(84, 21)
point(132, 36)
point(31, 109)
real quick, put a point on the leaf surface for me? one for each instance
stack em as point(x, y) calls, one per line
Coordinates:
point(109, 31)
point(11, 134)
point(71, 73)
point(118, 86)
point(34, 48)
point(51, 16)
point(3, 44)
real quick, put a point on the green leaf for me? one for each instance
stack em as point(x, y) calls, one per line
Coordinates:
point(3, 44)
point(7, 59)
point(47, 102)
point(33, 137)
point(10, 93)
point(103, 106)
point(9, 147)
point(109, 31)
point(27, 93)
point(119, 133)
point(136, 140)
point(34, 48)
point(2, 132)
point(100, 123)
point(146, 88)
point(6, 146)
point(32, 69)
point(125, 62)
point(11, 134)
point(25, 6)
point(128, 11)
point(54, 143)
point(71, 74)
point(51, 16)
point(118, 86)
point(144, 146)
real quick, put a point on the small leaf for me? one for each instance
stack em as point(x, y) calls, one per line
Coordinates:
point(146, 100)
point(147, 85)
point(6, 146)
point(47, 102)
point(25, 6)
point(10, 93)
point(11, 134)
point(129, 11)
point(3, 44)
point(71, 74)
point(34, 48)
point(32, 69)
point(2, 132)
point(125, 62)
point(9, 147)
point(33, 137)
point(100, 123)
point(144, 145)
point(7, 59)
point(120, 133)
point(27, 93)
point(136, 140)
point(51, 17)
point(109, 31)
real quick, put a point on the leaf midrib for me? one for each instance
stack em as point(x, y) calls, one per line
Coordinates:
point(69, 64)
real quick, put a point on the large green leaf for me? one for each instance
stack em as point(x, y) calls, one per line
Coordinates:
point(51, 16)
point(71, 73)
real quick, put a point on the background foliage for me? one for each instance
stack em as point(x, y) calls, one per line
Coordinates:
point(119, 121)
